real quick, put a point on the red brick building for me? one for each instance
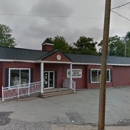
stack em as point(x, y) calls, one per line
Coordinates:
point(51, 67)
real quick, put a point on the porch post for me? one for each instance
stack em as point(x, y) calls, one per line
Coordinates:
point(71, 76)
point(42, 77)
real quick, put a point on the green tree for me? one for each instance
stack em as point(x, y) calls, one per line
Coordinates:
point(60, 43)
point(127, 44)
point(115, 47)
point(6, 38)
point(127, 36)
point(84, 45)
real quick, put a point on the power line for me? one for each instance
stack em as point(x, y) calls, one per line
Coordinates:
point(49, 16)
point(121, 5)
point(120, 15)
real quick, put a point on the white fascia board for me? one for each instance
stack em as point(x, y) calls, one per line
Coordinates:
point(38, 61)
point(6, 60)
point(100, 64)
point(48, 44)
point(74, 63)
point(119, 64)
point(86, 63)
point(58, 62)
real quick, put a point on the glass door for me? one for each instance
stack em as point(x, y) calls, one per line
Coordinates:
point(49, 79)
point(46, 80)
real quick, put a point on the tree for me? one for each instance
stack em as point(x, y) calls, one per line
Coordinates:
point(127, 43)
point(6, 38)
point(84, 45)
point(60, 43)
point(115, 47)
point(127, 36)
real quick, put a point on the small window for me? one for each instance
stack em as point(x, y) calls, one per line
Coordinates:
point(95, 75)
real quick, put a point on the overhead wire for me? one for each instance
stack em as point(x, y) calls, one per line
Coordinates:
point(120, 15)
point(121, 5)
point(80, 17)
point(50, 16)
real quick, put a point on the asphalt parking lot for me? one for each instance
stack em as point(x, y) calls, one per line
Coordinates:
point(77, 109)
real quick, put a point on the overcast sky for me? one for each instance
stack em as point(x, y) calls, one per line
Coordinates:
point(83, 18)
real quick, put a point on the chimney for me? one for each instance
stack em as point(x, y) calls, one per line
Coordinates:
point(47, 45)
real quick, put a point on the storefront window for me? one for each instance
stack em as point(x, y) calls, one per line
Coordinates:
point(19, 76)
point(14, 77)
point(24, 76)
point(95, 75)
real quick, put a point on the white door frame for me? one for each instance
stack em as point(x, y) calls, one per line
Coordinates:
point(49, 87)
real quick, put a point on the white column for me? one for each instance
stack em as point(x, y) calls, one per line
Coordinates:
point(29, 82)
point(71, 76)
point(42, 77)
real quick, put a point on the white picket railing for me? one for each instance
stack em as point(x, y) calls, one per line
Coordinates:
point(74, 86)
point(20, 90)
point(66, 84)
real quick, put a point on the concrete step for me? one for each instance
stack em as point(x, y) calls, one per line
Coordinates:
point(56, 93)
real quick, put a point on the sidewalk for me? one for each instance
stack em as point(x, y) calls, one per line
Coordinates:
point(87, 127)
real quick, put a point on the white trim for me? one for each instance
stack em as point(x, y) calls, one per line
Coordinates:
point(75, 63)
point(7, 60)
point(61, 62)
point(49, 78)
point(108, 64)
point(38, 61)
point(58, 62)
point(29, 81)
point(119, 64)
point(42, 80)
point(99, 79)
point(50, 44)
point(19, 74)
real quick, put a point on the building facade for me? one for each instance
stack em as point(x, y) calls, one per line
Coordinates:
point(51, 67)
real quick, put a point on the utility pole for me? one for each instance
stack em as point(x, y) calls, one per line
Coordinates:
point(102, 96)
point(125, 47)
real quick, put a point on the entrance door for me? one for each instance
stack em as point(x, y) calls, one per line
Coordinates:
point(49, 79)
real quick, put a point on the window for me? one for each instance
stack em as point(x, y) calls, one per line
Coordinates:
point(95, 75)
point(19, 76)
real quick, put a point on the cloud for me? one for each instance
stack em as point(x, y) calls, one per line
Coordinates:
point(51, 8)
point(30, 32)
point(46, 26)
point(10, 6)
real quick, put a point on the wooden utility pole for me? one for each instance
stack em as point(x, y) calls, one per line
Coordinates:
point(125, 48)
point(102, 96)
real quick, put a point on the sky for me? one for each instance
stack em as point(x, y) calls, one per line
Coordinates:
point(68, 18)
